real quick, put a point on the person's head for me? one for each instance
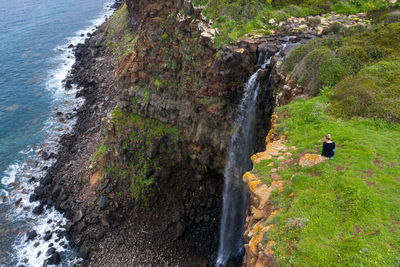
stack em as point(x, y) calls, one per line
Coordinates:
point(328, 137)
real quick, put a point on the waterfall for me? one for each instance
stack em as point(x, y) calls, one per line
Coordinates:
point(235, 192)
point(260, 58)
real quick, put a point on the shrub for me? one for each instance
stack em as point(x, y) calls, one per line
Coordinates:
point(353, 57)
point(373, 93)
point(332, 71)
point(343, 7)
point(295, 11)
point(385, 38)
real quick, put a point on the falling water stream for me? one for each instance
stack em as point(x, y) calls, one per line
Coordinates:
point(241, 145)
point(235, 192)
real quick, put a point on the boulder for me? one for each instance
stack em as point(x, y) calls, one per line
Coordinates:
point(31, 235)
point(54, 259)
point(38, 210)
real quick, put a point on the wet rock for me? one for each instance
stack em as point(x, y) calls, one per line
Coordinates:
point(46, 180)
point(47, 237)
point(33, 198)
point(71, 46)
point(31, 235)
point(36, 244)
point(4, 199)
point(45, 155)
point(50, 251)
point(38, 210)
point(54, 259)
point(18, 202)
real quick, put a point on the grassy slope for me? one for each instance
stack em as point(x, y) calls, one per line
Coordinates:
point(346, 211)
point(339, 201)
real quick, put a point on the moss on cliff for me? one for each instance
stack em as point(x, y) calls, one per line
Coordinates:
point(120, 40)
point(136, 148)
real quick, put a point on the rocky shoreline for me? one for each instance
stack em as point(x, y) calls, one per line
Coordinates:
point(93, 73)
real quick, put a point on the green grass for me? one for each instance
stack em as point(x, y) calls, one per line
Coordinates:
point(340, 201)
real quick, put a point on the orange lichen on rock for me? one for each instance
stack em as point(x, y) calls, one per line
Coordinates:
point(309, 160)
point(269, 246)
point(248, 177)
point(253, 185)
point(260, 156)
point(257, 234)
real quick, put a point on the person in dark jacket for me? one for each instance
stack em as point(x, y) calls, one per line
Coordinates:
point(328, 148)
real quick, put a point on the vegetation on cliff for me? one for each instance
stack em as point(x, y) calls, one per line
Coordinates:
point(235, 18)
point(344, 211)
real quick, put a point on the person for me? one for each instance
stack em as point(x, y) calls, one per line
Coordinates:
point(328, 148)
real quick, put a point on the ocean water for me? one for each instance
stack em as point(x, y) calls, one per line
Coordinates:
point(34, 59)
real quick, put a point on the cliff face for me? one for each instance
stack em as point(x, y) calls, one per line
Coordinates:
point(158, 172)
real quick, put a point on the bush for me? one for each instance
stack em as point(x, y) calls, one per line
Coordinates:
point(385, 38)
point(373, 93)
point(353, 57)
point(295, 11)
point(342, 7)
point(332, 71)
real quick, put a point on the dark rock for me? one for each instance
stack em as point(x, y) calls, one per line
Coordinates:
point(103, 202)
point(71, 46)
point(78, 216)
point(31, 235)
point(80, 226)
point(51, 245)
point(38, 210)
point(46, 180)
point(100, 234)
point(45, 155)
point(47, 237)
point(36, 244)
point(54, 259)
point(84, 252)
point(18, 202)
point(180, 228)
point(50, 251)
point(56, 191)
